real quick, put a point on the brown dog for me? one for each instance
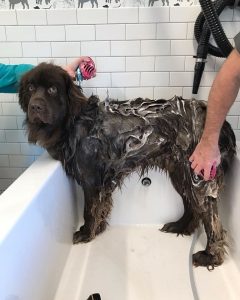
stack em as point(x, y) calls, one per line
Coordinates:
point(99, 145)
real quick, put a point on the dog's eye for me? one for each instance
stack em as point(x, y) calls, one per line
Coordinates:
point(52, 90)
point(31, 88)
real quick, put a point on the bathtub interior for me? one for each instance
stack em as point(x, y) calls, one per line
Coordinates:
point(131, 260)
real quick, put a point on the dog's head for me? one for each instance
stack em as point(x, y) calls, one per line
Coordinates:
point(49, 98)
point(48, 95)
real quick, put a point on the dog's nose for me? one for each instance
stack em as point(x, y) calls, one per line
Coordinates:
point(36, 107)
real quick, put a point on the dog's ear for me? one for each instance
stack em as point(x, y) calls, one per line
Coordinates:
point(75, 96)
point(23, 92)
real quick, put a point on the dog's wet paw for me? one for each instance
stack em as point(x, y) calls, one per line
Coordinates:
point(173, 227)
point(204, 259)
point(82, 236)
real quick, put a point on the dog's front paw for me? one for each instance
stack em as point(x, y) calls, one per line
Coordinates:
point(204, 259)
point(82, 236)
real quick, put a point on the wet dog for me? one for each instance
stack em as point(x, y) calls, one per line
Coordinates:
point(99, 144)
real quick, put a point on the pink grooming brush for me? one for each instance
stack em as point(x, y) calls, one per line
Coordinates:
point(212, 172)
point(87, 69)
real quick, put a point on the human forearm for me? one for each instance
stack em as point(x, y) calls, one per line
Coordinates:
point(206, 156)
point(10, 76)
point(222, 95)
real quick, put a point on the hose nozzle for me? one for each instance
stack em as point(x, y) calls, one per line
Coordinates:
point(198, 71)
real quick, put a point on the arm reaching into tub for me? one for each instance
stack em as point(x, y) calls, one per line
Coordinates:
point(223, 93)
point(10, 75)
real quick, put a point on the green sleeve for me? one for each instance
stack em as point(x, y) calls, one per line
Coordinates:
point(10, 76)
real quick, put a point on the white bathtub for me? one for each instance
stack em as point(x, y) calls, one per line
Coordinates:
point(132, 260)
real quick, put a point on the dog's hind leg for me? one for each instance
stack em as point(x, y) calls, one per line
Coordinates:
point(187, 223)
point(104, 211)
point(215, 251)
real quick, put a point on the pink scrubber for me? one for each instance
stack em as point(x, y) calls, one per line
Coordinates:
point(87, 69)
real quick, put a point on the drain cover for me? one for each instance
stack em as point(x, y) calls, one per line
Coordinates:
point(94, 297)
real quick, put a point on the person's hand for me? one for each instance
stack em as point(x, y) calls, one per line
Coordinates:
point(72, 67)
point(205, 159)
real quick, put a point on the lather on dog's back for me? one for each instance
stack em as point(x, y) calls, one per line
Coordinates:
point(100, 145)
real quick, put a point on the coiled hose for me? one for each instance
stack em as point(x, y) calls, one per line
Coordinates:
point(206, 24)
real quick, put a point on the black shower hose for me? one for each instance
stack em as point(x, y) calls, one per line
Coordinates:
point(206, 24)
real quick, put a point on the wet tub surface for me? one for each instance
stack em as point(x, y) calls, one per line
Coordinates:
point(142, 263)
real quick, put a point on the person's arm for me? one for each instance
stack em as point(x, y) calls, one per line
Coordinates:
point(221, 97)
point(10, 76)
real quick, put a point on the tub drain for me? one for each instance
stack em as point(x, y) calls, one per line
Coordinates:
point(146, 181)
point(94, 297)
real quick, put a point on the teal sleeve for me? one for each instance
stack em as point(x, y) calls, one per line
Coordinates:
point(10, 76)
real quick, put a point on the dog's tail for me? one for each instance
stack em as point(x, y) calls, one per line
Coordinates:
point(227, 145)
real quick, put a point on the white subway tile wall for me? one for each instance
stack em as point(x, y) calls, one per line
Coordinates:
point(80, 33)
point(31, 17)
point(50, 33)
point(153, 14)
point(124, 15)
point(93, 16)
point(8, 17)
point(2, 34)
point(20, 33)
point(141, 51)
point(61, 16)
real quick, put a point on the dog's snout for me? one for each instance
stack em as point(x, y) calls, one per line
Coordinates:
point(36, 107)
